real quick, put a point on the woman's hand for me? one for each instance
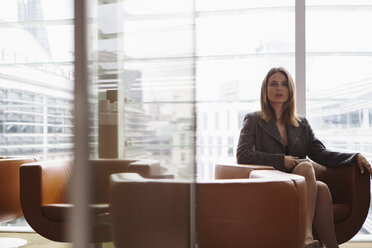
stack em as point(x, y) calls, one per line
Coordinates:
point(290, 162)
point(363, 164)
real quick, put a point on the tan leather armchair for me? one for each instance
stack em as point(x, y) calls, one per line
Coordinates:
point(149, 212)
point(44, 189)
point(349, 188)
point(351, 193)
point(229, 213)
point(10, 207)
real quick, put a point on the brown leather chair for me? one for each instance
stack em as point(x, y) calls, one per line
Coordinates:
point(44, 194)
point(351, 193)
point(10, 207)
point(149, 212)
point(229, 213)
point(349, 188)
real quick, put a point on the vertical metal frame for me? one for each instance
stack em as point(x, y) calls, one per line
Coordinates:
point(78, 228)
point(121, 86)
point(193, 194)
point(300, 56)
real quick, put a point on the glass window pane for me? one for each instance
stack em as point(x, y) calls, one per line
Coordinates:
point(36, 80)
point(236, 45)
point(338, 60)
point(159, 83)
point(167, 24)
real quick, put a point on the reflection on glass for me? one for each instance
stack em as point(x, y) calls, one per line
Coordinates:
point(159, 84)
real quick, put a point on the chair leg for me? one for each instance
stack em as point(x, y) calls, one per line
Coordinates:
point(102, 245)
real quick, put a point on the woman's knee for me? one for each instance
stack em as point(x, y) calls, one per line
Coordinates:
point(323, 190)
point(305, 169)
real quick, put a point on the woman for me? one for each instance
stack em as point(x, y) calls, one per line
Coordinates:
point(276, 136)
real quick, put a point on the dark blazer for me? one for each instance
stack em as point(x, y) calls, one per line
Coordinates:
point(260, 143)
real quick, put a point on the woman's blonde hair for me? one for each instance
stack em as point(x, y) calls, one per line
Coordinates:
point(289, 112)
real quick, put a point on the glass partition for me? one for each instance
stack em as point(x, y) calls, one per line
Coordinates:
point(158, 84)
point(169, 83)
point(146, 89)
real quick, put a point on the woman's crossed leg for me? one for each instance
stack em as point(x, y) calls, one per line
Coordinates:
point(319, 205)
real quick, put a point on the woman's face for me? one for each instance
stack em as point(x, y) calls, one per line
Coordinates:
point(277, 88)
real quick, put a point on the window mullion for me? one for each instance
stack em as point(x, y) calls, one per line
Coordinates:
point(300, 57)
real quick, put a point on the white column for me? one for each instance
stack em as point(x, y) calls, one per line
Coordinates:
point(78, 227)
point(45, 127)
point(121, 83)
point(193, 202)
point(365, 115)
point(300, 59)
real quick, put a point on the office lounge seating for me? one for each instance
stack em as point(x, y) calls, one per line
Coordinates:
point(228, 213)
point(351, 194)
point(149, 212)
point(44, 189)
point(349, 188)
point(10, 207)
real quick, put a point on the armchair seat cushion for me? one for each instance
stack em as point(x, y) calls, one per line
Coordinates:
point(58, 212)
point(340, 212)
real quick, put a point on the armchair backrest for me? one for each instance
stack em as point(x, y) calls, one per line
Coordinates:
point(256, 213)
point(103, 168)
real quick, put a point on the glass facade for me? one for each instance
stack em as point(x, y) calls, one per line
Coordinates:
point(173, 80)
point(338, 92)
point(233, 56)
point(36, 79)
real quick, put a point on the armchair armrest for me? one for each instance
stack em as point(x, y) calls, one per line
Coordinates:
point(148, 168)
point(9, 187)
point(234, 170)
point(345, 183)
point(43, 183)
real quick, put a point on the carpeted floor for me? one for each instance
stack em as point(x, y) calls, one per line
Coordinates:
point(36, 241)
point(357, 245)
